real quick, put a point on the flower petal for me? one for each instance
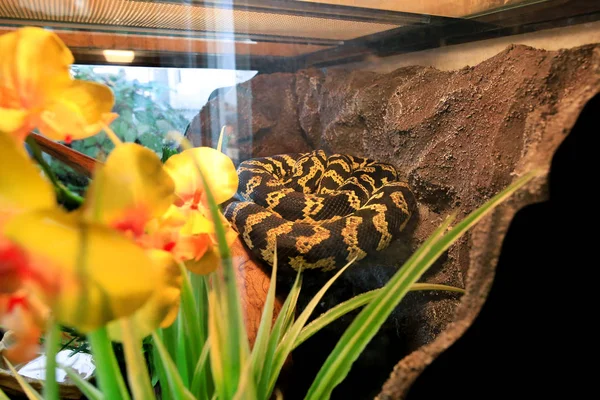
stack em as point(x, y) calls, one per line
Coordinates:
point(24, 316)
point(211, 259)
point(13, 267)
point(191, 247)
point(216, 166)
point(80, 110)
point(15, 121)
point(209, 262)
point(162, 307)
point(99, 273)
point(129, 190)
point(37, 90)
point(22, 186)
point(33, 68)
point(196, 223)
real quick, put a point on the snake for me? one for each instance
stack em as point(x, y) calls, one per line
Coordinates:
point(318, 211)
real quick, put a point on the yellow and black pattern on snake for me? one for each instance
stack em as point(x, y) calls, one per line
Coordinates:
point(322, 211)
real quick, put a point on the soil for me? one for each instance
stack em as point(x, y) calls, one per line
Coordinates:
point(457, 137)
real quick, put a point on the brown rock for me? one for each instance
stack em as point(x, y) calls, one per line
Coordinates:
point(253, 285)
point(262, 117)
point(458, 137)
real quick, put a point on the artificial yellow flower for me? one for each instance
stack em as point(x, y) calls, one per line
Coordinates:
point(163, 306)
point(99, 274)
point(163, 207)
point(22, 189)
point(85, 271)
point(37, 90)
point(217, 168)
point(191, 201)
point(130, 189)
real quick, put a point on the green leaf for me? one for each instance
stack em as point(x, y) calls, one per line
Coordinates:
point(160, 369)
point(217, 337)
point(163, 126)
point(287, 343)
point(129, 135)
point(126, 115)
point(182, 358)
point(370, 319)
point(246, 389)
point(356, 302)
point(52, 343)
point(86, 388)
point(91, 151)
point(178, 390)
point(137, 373)
point(200, 378)
point(27, 389)
point(107, 370)
point(282, 323)
point(230, 331)
point(143, 128)
point(259, 352)
point(200, 289)
point(169, 338)
point(120, 127)
point(192, 334)
point(3, 396)
point(167, 153)
point(153, 142)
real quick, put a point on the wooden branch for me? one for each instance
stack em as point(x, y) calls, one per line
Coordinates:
point(74, 159)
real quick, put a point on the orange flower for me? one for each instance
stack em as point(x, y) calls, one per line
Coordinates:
point(37, 91)
point(86, 273)
point(163, 207)
point(22, 189)
point(25, 317)
point(191, 202)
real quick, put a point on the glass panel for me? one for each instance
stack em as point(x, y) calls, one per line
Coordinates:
point(137, 16)
point(357, 127)
point(447, 8)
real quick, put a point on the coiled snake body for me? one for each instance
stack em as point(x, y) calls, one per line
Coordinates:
point(320, 211)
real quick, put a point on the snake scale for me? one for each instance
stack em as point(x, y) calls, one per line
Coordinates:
point(320, 211)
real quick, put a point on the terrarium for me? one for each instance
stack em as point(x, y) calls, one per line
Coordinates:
point(292, 199)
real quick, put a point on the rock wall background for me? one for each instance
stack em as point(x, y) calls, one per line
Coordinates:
point(457, 137)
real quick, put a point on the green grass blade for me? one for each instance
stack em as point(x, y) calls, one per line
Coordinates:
point(261, 343)
point(200, 289)
point(356, 302)
point(217, 336)
point(3, 396)
point(107, 370)
point(200, 379)
point(370, 319)
point(27, 389)
point(191, 328)
point(247, 386)
point(286, 315)
point(169, 337)
point(235, 349)
point(288, 311)
point(160, 369)
point(86, 388)
point(175, 383)
point(50, 390)
point(419, 287)
point(182, 356)
point(137, 372)
point(287, 343)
